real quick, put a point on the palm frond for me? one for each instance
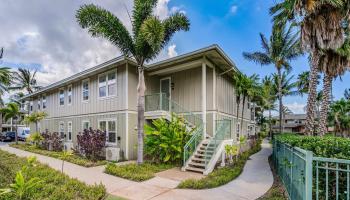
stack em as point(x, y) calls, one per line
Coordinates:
point(102, 23)
point(258, 57)
point(174, 23)
point(142, 10)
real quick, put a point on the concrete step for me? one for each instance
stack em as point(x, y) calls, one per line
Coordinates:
point(209, 152)
point(195, 169)
point(201, 165)
point(198, 159)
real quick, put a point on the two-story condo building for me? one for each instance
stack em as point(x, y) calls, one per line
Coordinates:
point(104, 97)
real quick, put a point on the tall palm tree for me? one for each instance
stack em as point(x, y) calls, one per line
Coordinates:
point(249, 90)
point(284, 46)
point(339, 116)
point(238, 83)
point(321, 28)
point(5, 81)
point(12, 111)
point(24, 79)
point(303, 80)
point(149, 36)
point(268, 98)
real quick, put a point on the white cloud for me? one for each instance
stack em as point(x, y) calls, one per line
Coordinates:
point(163, 11)
point(172, 51)
point(233, 9)
point(296, 108)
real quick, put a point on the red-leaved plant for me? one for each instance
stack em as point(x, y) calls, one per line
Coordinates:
point(52, 141)
point(91, 143)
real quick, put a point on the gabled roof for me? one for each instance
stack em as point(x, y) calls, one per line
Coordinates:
point(213, 53)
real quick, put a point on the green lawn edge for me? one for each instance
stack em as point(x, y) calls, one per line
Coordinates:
point(76, 159)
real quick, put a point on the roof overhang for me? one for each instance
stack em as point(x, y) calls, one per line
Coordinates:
point(83, 75)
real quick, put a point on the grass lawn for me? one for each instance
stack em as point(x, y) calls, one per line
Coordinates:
point(54, 185)
point(136, 172)
point(223, 175)
point(111, 197)
point(76, 159)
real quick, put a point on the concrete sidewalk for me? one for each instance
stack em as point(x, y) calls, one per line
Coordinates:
point(254, 181)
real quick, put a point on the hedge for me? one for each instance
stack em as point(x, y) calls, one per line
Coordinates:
point(327, 146)
point(55, 185)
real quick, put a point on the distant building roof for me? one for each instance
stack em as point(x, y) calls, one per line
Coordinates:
point(293, 116)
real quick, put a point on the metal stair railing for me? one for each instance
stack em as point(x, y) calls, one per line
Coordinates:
point(222, 132)
point(160, 102)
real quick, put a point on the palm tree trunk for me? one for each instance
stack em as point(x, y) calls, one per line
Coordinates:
point(270, 124)
point(243, 105)
point(327, 84)
point(16, 133)
point(280, 98)
point(238, 102)
point(141, 88)
point(311, 100)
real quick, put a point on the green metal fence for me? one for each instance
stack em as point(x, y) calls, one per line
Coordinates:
point(306, 177)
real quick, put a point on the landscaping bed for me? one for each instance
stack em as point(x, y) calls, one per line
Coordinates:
point(327, 146)
point(137, 172)
point(53, 184)
point(76, 159)
point(222, 175)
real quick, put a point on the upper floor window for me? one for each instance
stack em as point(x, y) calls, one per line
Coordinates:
point(44, 102)
point(85, 90)
point(69, 95)
point(61, 96)
point(107, 84)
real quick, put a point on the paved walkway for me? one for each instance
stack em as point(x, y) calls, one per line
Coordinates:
point(254, 181)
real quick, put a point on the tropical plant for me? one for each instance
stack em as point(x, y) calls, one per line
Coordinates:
point(339, 117)
point(36, 138)
point(165, 139)
point(91, 143)
point(231, 150)
point(303, 80)
point(321, 29)
point(11, 111)
point(268, 98)
point(24, 79)
point(149, 36)
point(238, 88)
point(65, 155)
point(35, 117)
point(52, 141)
point(284, 46)
point(5, 81)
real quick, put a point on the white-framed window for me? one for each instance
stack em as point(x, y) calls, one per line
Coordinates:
point(69, 130)
point(107, 84)
point(31, 106)
point(85, 125)
point(110, 127)
point(69, 94)
point(43, 100)
point(39, 103)
point(61, 129)
point(61, 97)
point(85, 90)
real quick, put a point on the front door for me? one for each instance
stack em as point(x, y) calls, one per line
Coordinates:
point(165, 91)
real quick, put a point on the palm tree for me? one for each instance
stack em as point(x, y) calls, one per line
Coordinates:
point(35, 118)
point(268, 98)
point(149, 36)
point(283, 47)
point(249, 90)
point(24, 79)
point(339, 116)
point(321, 28)
point(238, 80)
point(5, 81)
point(303, 80)
point(11, 111)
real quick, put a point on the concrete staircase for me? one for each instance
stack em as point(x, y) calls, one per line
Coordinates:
point(197, 162)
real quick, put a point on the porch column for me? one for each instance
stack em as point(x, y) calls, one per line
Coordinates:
point(214, 101)
point(204, 98)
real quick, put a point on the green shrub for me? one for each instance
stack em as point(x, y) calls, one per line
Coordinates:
point(165, 140)
point(76, 159)
point(54, 186)
point(136, 172)
point(223, 175)
point(328, 146)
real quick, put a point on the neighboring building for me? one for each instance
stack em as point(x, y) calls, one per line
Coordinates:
point(104, 97)
point(292, 123)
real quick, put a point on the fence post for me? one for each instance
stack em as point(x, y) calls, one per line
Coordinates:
point(308, 175)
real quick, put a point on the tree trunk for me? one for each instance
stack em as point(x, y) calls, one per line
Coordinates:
point(0, 122)
point(270, 124)
point(243, 105)
point(280, 98)
point(36, 126)
point(141, 88)
point(16, 133)
point(238, 102)
point(311, 100)
point(327, 84)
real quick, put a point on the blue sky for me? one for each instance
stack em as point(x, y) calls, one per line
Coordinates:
point(51, 41)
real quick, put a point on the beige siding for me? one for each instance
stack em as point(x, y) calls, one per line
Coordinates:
point(94, 105)
point(132, 136)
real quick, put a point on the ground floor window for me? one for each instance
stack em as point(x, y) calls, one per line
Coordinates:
point(70, 130)
point(86, 125)
point(61, 129)
point(110, 127)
